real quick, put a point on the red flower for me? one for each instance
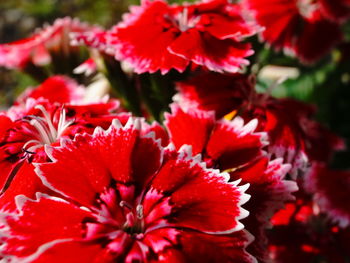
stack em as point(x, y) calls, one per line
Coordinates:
point(293, 134)
point(297, 26)
point(55, 91)
point(95, 38)
point(23, 140)
point(235, 94)
point(27, 127)
point(125, 198)
point(310, 236)
point(307, 243)
point(237, 149)
point(43, 46)
point(330, 189)
point(214, 92)
point(57, 88)
point(270, 191)
point(321, 142)
point(300, 211)
point(156, 36)
point(281, 120)
point(229, 144)
point(337, 10)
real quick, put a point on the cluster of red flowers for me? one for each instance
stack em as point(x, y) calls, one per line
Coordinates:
point(225, 175)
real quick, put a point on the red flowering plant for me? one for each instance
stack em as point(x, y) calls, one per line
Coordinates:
point(179, 134)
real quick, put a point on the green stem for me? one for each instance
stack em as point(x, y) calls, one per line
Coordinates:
point(157, 91)
point(37, 73)
point(123, 86)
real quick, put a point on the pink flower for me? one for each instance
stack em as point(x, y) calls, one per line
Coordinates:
point(121, 196)
point(157, 36)
point(296, 26)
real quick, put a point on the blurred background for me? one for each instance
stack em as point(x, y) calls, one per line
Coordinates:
point(326, 84)
point(19, 18)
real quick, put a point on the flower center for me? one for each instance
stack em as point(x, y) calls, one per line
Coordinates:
point(115, 218)
point(47, 133)
point(184, 22)
point(134, 223)
point(307, 7)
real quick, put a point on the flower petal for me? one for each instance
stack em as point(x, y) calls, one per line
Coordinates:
point(198, 247)
point(25, 182)
point(330, 189)
point(69, 252)
point(212, 91)
point(269, 193)
point(338, 10)
point(233, 144)
point(206, 50)
point(116, 154)
point(58, 88)
point(187, 184)
point(300, 30)
point(192, 127)
point(143, 40)
point(40, 221)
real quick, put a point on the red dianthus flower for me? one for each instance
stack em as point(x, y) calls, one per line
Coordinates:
point(157, 36)
point(236, 148)
point(122, 197)
point(296, 26)
point(293, 134)
point(330, 190)
point(42, 120)
point(45, 46)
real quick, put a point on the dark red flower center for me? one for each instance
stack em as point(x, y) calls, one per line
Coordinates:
point(115, 217)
